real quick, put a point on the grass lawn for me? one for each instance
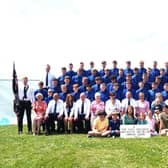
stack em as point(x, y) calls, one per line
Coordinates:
point(76, 150)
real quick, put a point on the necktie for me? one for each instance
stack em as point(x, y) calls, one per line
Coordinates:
point(25, 91)
point(47, 79)
point(55, 108)
point(129, 102)
point(82, 108)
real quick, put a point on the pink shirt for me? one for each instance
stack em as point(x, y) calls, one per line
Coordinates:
point(95, 107)
point(142, 106)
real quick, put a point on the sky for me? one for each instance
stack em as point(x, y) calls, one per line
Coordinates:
point(36, 32)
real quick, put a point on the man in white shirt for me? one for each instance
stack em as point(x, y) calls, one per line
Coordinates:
point(26, 97)
point(112, 105)
point(54, 113)
point(48, 77)
point(82, 114)
point(128, 101)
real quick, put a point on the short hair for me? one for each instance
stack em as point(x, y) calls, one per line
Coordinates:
point(112, 94)
point(67, 77)
point(103, 62)
point(107, 69)
point(50, 90)
point(128, 74)
point(54, 79)
point(82, 94)
point(101, 113)
point(98, 78)
point(128, 62)
point(25, 77)
point(113, 77)
point(63, 68)
point(97, 94)
point(142, 62)
point(114, 62)
point(116, 84)
point(41, 83)
point(75, 85)
point(88, 85)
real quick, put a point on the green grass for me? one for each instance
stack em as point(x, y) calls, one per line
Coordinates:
point(76, 150)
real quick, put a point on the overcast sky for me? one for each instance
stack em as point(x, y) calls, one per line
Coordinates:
point(36, 32)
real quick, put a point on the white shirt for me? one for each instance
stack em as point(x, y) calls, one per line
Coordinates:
point(66, 110)
point(109, 107)
point(51, 106)
point(50, 78)
point(125, 104)
point(78, 105)
point(29, 93)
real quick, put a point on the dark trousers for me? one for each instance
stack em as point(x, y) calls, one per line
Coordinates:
point(83, 125)
point(24, 105)
point(50, 123)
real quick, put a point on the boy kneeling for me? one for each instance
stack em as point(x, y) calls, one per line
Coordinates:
point(100, 126)
point(114, 125)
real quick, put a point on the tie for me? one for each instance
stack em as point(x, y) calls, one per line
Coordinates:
point(129, 102)
point(82, 108)
point(47, 79)
point(55, 109)
point(25, 95)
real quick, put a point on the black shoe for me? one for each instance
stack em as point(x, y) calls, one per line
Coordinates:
point(47, 134)
point(89, 136)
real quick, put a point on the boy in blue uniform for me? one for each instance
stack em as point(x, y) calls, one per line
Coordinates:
point(114, 125)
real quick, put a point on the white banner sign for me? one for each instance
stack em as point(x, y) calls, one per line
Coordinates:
point(135, 131)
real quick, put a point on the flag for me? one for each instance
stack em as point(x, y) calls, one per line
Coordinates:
point(14, 81)
point(16, 102)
